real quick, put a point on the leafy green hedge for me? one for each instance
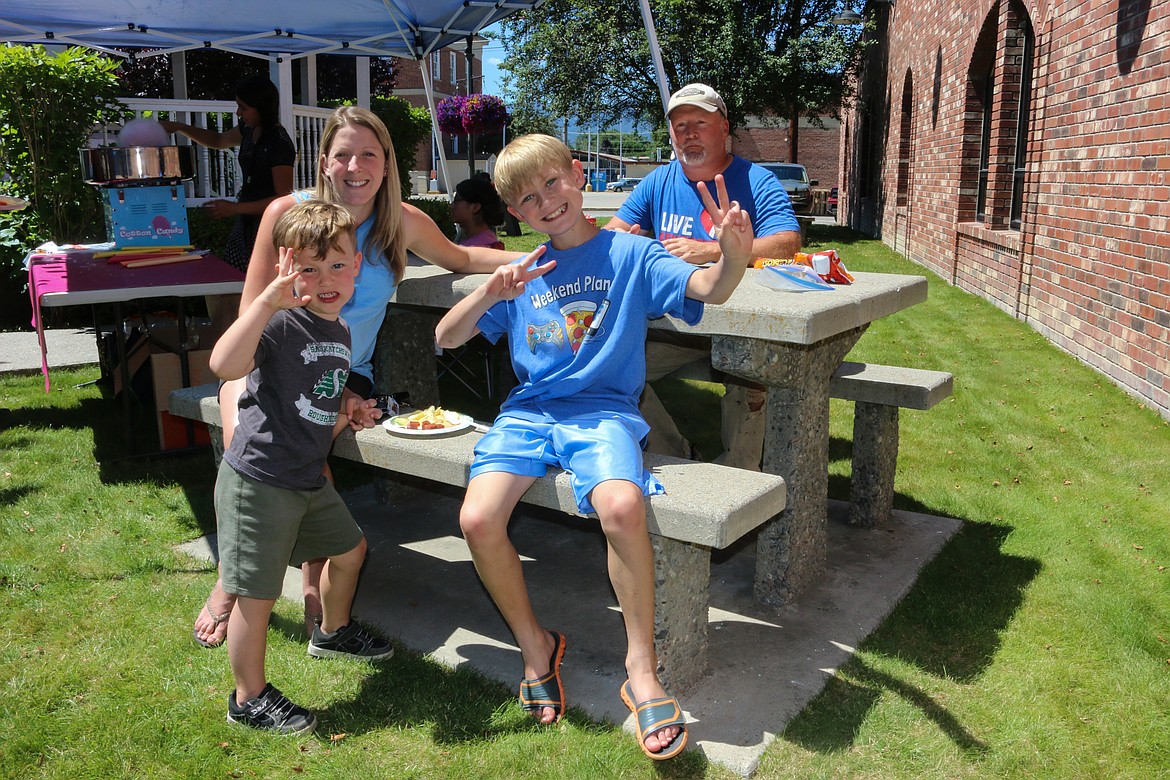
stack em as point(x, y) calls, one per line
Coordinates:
point(439, 210)
point(49, 103)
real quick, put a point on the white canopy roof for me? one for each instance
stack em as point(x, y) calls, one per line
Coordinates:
point(402, 28)
point(260, 28)
point(268, 28)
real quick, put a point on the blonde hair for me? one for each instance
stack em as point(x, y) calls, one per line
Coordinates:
point(317, 226)
point(525, 159)
point(385, 238)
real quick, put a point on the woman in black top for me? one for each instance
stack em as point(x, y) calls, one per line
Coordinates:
point(266, 158)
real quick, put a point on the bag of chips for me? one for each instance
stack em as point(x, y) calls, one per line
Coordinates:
point(827, 264)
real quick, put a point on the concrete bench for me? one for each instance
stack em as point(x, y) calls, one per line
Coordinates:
point(705, 507)
point(878, 392)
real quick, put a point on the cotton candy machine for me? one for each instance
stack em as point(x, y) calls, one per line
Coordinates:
point(142, 192)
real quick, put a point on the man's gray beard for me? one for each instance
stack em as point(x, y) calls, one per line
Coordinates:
point(690, 159)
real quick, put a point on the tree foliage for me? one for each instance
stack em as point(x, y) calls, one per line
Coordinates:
point(408, 126)
point(765, 57)
point(525, 118)
point(49, 104)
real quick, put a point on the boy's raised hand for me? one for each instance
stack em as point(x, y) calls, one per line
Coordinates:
point(279, 294)
point(733, 225)
point(508, 281)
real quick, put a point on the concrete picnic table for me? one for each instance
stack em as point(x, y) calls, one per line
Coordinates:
point(790, 342)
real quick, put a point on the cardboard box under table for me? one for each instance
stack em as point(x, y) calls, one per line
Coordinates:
point(166, 375)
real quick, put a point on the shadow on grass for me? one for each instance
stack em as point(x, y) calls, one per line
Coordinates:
point(850, 698)
point(52, 417)
point(126, 450)
point(462, 706)
point(835, 235)
point(948, 625)
point(458, 706)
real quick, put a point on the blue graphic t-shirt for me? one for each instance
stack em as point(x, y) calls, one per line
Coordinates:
point(668, 205)
point(577, 335)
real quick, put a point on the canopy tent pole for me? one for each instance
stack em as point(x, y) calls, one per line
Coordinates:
point(179, 74)
point(281, 69)
point(655, 52)
point(470, 57)
point(362, 71)
point(429, 87)
point(308, 76)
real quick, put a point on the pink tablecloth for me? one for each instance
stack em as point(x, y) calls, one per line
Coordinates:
point(79, 272)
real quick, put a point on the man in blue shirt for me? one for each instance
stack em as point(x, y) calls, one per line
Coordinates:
point(667, 205)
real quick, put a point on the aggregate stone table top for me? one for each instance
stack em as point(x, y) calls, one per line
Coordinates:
point(753, 311)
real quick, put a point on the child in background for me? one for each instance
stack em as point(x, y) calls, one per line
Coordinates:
point(275, 506)
point(576, 329)
point(477, 210)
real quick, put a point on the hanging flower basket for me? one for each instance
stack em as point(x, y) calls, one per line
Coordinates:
point(450, 110)
point(484, 114)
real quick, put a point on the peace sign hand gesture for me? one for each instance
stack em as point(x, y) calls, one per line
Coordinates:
point(508, 281)
point(733, 225)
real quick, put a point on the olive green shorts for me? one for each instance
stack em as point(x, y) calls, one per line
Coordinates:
point(264, 529)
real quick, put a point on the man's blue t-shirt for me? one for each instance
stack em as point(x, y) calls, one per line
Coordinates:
point(563, 371)
point(667, 203)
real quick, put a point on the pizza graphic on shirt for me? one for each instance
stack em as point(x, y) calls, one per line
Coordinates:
point(578, 317)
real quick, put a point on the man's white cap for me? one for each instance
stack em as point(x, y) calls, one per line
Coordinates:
point(697, 95)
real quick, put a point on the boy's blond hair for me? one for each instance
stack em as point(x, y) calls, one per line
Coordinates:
point(317, 226)
point(525, 159)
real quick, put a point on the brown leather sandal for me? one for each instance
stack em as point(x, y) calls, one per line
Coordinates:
point(218, 620)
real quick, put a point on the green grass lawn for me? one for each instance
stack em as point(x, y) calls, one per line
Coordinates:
point(1036, 645)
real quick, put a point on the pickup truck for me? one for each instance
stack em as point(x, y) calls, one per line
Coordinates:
point(796, 183)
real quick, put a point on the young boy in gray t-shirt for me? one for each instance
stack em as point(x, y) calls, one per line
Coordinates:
point(273, 503)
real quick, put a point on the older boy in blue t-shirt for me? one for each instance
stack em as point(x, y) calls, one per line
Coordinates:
point(576, 329)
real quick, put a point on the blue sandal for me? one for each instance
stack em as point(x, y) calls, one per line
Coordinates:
point(547, 691)
point(654, 715)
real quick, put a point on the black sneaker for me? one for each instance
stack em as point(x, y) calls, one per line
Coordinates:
point(349, 641)
point(271, 711)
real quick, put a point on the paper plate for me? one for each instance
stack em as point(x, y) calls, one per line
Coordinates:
point(396, 426)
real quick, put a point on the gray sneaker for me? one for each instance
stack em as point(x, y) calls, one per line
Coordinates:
point(349, 641)
point(271, 711)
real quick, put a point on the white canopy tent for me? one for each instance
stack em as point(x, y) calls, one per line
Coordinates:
point(280, 31)
point(378, 28)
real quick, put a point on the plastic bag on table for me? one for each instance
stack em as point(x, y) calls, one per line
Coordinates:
point(791, 278)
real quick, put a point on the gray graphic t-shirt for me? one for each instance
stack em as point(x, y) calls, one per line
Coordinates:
point(292, 400)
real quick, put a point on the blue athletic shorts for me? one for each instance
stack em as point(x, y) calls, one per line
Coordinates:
point(592, 448)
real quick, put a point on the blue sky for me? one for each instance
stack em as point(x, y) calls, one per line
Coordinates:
point(493, 54)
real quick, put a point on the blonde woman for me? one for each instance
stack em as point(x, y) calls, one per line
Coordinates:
point(358, 171)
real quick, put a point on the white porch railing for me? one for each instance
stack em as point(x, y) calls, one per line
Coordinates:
point(217, 174)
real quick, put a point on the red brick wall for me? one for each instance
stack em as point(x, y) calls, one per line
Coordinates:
point(1089, 266)
point(818, 148)
point(409, 87)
